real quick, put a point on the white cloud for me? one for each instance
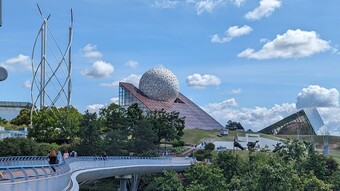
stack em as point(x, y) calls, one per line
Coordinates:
point(27, 84)
point(133, 79)
point(206, 5)
point(292, 44)
point(89, 51)
point(266, 8)
point(316, 96)
point(238, 3)
point(132, 64)
point(100, 69)
point(232, 32)
point(251, 118)
point(223, 105)
point(165, 4)
point(236, 91)
point(201, 81)
point(114, 100)
point(331, 117)
point(94, 107)
point(19, 63)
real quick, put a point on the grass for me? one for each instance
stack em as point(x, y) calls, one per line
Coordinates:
point(195, 136)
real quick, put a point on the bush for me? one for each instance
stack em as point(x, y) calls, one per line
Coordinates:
point(177, 143)
point(209, 147)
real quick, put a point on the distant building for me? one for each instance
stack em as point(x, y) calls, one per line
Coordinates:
point(12, 134)
point(9, 110)
point(159, 89)
point(307, 121)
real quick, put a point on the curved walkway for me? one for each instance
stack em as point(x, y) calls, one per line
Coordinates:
point(34, 173)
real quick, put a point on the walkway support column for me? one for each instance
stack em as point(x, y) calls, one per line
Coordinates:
point(123, 181)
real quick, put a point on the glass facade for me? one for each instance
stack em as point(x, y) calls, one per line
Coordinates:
point(304, 122)
point(9, 110)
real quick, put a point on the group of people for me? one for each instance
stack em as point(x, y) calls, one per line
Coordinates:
point(57, 158)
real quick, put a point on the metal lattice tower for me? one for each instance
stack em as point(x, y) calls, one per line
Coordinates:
point(51, 67)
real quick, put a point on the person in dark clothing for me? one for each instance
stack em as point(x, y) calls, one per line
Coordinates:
point(52, 159)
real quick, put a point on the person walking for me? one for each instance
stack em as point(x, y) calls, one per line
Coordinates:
point(52, 159)
point(59, 158)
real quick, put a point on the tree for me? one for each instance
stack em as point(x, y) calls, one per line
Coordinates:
point(113, 117)
point(232, 125)
point(90, 140)
point(143, 139)
point(23, 118)
point(59, 125)
point(169, 182)
point(168, 126)
point(208, 177)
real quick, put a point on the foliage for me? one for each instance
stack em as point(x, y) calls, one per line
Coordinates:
point(23, 147)
point(168, 126)
point(169, 182)
point(295, 166)
point(209, 147)
point(23, 118)
point(233, 125)
point(90, 140)
point(59, 125)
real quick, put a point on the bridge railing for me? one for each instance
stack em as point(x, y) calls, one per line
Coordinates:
point(23, 160)
point(23, 173)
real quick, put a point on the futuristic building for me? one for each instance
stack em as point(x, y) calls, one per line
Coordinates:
point(304, 122)
point(159, 89)
point(9, 110)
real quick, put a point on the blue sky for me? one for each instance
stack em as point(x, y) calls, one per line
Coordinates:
point(243, 60)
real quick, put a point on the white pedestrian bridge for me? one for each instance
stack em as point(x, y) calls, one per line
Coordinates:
point(33, 173)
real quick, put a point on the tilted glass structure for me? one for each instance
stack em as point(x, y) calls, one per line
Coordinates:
point(304, 122)
point(195, 117)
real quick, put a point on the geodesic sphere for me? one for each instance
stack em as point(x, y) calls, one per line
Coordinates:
point(159, 84)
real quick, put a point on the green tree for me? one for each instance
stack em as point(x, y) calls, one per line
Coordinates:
point(233, 125)
point(90, 140)
point(169, 182)
point(208, 177)
point(59, 125)
point(168, 126)
point(143, 139)
point(23, 118)
point(113, 117)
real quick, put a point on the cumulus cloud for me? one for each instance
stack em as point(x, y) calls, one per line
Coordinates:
point(292, 44)
point(94, 107)
point(232, 32)
point(265, 9)
point(251, 118)
point(27, 84)
point(18, 63)
point(165, 4)
point(100, 69)
point(89, 51)
point(316, 96)
point(238, 3)
point(201, 81)
point(223, 105)
point(206, 5)
point(132, 64)
point(133, 79)
point(236, 91)
point(114, 100)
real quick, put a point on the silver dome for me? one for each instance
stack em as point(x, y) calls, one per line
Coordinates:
point(159, 84)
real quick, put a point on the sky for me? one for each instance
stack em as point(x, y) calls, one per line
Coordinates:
point(250, 61)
